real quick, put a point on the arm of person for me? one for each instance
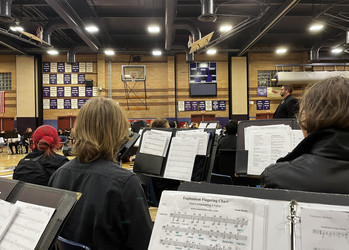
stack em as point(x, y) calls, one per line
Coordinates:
point(138, 223)
point(292, 108)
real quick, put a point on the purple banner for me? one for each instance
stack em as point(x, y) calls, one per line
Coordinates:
point(60, 67)
point(262, 91)
point(81, 78)
point(202, 105)
point(46, 91)
point(215, 105)
point(67, 78)
point(88, 91)
point(259, 104)
point(67, 103)
point(221, 105)
point(75, 67)
point(187, 106)
point(75, 91)
point(60, 91)
point(53, 103)
point(46, 67)
point(194, 106)
point(81, 102)
point(53, 78)
point(266, 105)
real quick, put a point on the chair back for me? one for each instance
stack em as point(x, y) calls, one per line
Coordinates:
point(65, 244)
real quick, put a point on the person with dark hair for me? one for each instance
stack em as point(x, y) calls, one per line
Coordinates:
point(112, 212)
point(289, 107)
point(173, 124)
point(26, 140)
point(320, 162)
point(159, 123)
point(14, 142)
point(38, 166)
point(229, 140)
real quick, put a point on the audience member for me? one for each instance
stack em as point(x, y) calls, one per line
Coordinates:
point(26, 139)
point(320, 163)
point(14, 142)
point(288, 108)
point(38, 166)
point(173, 124)
point(229, 140)
point(159, 123)
point(112, 212)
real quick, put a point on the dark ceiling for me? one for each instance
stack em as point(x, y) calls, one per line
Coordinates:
point(258, 25)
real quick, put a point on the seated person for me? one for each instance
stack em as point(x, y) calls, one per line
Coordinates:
point(27, 141)
point(14, 142)
point(229, 140)
point(112, 212)
point(160, 123)
point(45, 140)
point(320, 163)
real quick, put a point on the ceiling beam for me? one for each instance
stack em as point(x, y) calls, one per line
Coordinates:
point(277, 15)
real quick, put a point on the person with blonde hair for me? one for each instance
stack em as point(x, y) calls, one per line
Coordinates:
point(160, 123)
point(320, 163)
point(38, 166)
point(112, 212)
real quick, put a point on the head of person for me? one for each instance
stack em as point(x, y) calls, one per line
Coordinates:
point(286, 90)
point(45, 138)
point(101, 127)
point(160, 123)
point(28, 130)
point(325, 105)
point(172, 124)
point(231, 127)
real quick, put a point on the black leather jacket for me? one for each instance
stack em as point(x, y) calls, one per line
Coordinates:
point(320, 163)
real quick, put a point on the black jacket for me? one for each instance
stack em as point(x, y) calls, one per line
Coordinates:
point(35, 174)
point(112, 212)
point(320, 163)
point(227, 142)
point(288, 108)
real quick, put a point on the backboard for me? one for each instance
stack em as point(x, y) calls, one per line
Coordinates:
point(133, 73)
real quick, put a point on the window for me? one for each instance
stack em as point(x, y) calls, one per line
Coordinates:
point(5, 81)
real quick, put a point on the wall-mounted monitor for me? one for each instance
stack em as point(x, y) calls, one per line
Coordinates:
point(203, 79)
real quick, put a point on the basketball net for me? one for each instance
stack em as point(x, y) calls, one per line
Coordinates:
point(133, 78)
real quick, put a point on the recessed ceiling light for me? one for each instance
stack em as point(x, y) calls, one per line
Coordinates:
point(153, 29)
point(211, 52)
point(337, 50)
point(91, 28)
point(281, 50)
point(157, 52)
point(109, 52)
point(225, 28)
point(16, 28)
point(316, 27)
point(52, 52)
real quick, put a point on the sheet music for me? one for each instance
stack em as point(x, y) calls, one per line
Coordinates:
point(324, 227)
point(27, 227)
point(212, 125)
point(139, 138)
point(266, 144)
point(7, 213)
point(202, 136)
point(202, 124)
point(155, 142)
point(297, 137)
point(188, 220)
point(181, 158)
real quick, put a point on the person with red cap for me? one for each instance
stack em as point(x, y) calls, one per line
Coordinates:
point(38, 166)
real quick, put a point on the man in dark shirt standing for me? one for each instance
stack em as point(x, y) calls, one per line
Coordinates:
point(289, 107)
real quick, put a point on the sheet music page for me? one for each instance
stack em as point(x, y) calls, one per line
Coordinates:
point(212, 125)
point(297, 137)
point(202, 124)
point(8, 211)
point(155, 142)
point(188, 220)
point(266, 144)
point(27, 227)
point(181, 158)
point(324, 227)
point(139, 138)
point(203, 138)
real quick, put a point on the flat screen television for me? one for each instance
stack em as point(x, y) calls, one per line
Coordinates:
point(203, 89)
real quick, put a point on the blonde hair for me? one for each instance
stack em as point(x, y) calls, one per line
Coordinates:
point(100, 129)
point(325, 105)
point(160, 123)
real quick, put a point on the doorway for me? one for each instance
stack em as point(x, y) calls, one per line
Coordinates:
point(66, 122)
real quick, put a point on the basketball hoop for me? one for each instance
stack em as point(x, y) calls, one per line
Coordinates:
point(133, 78)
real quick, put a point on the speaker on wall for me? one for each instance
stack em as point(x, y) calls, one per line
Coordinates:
point(89, 83)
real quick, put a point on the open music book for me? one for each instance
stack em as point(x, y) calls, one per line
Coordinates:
point(190, 220)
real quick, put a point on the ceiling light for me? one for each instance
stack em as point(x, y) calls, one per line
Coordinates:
point(225, 28)
point(337, 50)
point(316, 27)
point(157, 52)
point(153, 29)
point(16, 28)
point(211, 52)
point(91, 28)
point(281, 51)
point(109, 52)
point(52, 52)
